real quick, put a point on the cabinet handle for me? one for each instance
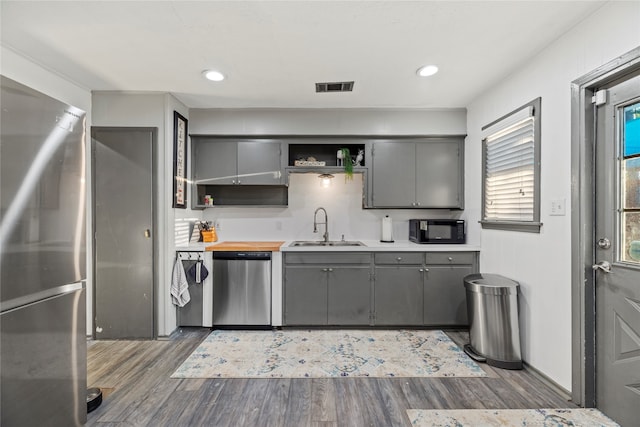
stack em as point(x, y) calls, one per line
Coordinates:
point(324, 269)
point(233, 181)
point(331, 269)
point(417, 203)
point(426, 270)
point(450, 259)
point(399, 258)
point(239, 182)
point(421, 270)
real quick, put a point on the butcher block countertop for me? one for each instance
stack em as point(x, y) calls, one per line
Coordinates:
point(246, 246)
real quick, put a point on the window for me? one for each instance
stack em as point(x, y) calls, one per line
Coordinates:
point(511, 171)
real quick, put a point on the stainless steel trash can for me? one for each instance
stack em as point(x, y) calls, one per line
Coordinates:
point(492, 307)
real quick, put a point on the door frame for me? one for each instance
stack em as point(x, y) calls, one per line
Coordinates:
point(583, 319)
point(154, 219)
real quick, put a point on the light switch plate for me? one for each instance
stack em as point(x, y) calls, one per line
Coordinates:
point(558, 207)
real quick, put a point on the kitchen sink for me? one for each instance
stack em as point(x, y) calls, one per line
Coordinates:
point(329, 243)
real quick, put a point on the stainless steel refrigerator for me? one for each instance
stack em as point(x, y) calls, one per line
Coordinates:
point(43, 263)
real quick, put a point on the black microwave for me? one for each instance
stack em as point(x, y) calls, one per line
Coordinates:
point(449, 231)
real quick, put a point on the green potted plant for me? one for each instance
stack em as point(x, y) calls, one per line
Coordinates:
point(347, 162)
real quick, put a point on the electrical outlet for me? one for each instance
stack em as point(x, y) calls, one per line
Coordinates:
point(217, 225)
point(558, 207)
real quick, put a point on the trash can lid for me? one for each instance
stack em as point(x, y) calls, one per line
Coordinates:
point(493, 284)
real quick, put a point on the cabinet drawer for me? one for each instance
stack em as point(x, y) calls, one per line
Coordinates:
point(451, 258)
point(399, 258)
point(327, 258)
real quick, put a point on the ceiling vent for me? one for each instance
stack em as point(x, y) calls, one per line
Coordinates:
point(334, 87)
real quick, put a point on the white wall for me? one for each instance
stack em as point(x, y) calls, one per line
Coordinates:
point(343, 200)
point(541, 262)
point(36, 77)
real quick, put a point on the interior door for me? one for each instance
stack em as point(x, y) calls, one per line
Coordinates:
point(617, 253)
point(123, 225)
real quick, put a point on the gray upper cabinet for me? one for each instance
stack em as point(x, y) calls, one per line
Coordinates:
point(220, 161)
point(259, 163)
point(393, 174)
point(215, 162)
point(418, 173)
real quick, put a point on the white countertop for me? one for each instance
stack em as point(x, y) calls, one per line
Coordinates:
point(378, 246)
point(370, 246)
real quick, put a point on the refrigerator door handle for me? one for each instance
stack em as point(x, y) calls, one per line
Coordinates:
point(39, 296)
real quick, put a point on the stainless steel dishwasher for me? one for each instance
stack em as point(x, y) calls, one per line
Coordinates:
point(241, 288)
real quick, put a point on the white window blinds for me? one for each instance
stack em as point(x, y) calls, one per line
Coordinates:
point(511, 169)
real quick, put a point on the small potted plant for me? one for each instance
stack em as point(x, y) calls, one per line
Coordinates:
point(347, 162)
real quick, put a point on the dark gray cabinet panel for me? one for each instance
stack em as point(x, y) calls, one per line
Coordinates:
point(305, 296)
point(439, 173)
point(259, 163)
point(235, 162)
point(424, 173)
point(327, 289)
point(214, 162)
point(349, 299)
point(398, 295)
point(393, 174)
point(445, 302)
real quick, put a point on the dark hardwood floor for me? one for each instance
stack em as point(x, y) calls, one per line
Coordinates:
point(134, 376)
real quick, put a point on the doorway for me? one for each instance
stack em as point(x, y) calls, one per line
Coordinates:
point(124, 231)
point(606, 242)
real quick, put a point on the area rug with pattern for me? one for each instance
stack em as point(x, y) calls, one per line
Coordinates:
point(327, 353)
point(508, 417)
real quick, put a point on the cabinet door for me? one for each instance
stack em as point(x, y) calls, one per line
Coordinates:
point(439, 173)
point(393, 174)
point(445, 301)
point(398, 295)
point(305, 296)
point(215, 162)
point(349, 295)
point(259, 163)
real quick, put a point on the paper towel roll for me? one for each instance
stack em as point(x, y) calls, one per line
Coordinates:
point(387, 226)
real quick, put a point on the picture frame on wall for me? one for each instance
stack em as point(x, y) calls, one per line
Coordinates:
point(180, 129)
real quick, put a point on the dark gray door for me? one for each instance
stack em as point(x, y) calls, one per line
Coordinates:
point(349, 295)
point(123, 221)
point(439, 172)
point(259, 163)
point(394, 174)
point(617, 253)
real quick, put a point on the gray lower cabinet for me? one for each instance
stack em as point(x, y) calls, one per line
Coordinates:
point(305, 296)
point(349, 295)
point(327, 289)
point(445, 301)
point(408, 288)
point(398, 288)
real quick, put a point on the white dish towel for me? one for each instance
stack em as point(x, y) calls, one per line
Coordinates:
point(179, 285)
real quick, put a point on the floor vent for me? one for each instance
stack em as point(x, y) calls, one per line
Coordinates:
point(334, 87)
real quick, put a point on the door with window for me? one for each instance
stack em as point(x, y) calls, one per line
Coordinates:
point(617, 253)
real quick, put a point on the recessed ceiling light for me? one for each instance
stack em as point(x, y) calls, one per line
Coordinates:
point(213, 75)
point(427, 70)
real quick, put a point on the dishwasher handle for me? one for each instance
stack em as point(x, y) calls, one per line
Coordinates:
point(247, 255)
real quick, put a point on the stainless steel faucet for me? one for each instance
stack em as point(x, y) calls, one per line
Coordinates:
point(325, 236)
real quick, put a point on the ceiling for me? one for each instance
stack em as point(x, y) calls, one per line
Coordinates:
point(273, 52)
